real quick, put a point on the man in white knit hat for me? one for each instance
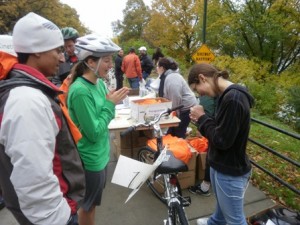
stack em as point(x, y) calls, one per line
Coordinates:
point(41, 174)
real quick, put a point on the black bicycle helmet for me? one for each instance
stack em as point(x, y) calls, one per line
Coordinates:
point(69, 33)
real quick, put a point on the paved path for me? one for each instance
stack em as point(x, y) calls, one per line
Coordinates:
point(144, 208)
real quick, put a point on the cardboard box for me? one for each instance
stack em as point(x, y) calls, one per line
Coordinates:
point(201, 162)
point(115, 148)
point(130, 144)
point(131, 153)
point(202, 159)
point(192, 163)
point(186, 179)
point(141, 112)
point(128, 152)
point(136, 139)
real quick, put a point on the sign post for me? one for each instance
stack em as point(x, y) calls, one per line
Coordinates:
point(203, 54)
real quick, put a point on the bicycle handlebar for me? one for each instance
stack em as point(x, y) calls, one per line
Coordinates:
point(152, 122)
point(128, 130)
point(174, 109)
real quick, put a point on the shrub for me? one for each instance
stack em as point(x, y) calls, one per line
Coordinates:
point(294, 101)
point(266, 100)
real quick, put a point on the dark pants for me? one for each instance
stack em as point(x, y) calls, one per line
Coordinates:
point(145, 75)
point(119, 79)
point(73, 220)
point(2, 204)
point(180, 131)
point(207, 170)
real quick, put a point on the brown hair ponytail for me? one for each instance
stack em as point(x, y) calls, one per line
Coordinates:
point(207, 70)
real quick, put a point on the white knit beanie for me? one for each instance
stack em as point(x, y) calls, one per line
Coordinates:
point(33, 34)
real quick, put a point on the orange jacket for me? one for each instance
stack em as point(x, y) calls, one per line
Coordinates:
point(131, 66)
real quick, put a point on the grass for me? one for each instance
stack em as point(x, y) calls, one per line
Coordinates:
point(284, 145)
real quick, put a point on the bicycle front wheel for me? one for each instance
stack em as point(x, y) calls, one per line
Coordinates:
point(155, 182)
point(177, 214)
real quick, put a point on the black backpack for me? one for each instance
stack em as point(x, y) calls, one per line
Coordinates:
point(278, 215)
point(284, 216)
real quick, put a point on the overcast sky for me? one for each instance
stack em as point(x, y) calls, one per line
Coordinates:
point(98, 15)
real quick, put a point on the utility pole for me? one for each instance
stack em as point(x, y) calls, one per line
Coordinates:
point(204, 21)
point(203, 54)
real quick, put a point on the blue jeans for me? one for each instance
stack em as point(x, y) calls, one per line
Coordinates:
point(229, 191)
point(134, 82)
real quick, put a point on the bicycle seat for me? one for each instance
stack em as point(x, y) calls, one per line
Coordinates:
point(173, 165)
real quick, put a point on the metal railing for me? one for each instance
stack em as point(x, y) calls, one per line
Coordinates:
point(293, 162)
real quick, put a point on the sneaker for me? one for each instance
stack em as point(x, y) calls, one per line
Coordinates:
point(193, 189)
point(196, 189)
point(202, 221)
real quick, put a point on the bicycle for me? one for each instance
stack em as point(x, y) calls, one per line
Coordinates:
point(164, 182)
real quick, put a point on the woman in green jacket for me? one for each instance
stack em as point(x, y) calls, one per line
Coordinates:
point(92, 107)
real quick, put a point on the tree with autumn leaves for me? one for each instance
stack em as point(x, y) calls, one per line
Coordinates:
point(61, 14)
point(267, 31)
point(258, 41)
point(262, 30)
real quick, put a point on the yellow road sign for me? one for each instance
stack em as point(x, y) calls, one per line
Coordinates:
point(203, 54)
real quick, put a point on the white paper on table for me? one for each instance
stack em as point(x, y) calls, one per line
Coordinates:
point(270, 222)
point(122, 107)
point(133, 174)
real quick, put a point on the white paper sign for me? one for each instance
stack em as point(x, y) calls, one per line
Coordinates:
point(133, 174)
point(270, 222)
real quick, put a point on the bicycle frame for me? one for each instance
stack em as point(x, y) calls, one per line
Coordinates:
point(159, 139)
point(172, 191)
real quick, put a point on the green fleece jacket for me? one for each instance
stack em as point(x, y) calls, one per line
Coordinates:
point(91, 112)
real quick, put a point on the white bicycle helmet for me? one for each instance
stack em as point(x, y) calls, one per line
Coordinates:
point(94, 45)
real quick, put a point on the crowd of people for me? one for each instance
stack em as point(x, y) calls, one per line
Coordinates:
point(66, 150)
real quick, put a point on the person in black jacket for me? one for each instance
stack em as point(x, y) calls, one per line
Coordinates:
point(118, 70)
point(157, 55)
point(227, 133)
point(146, 62)
point(70, 35)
